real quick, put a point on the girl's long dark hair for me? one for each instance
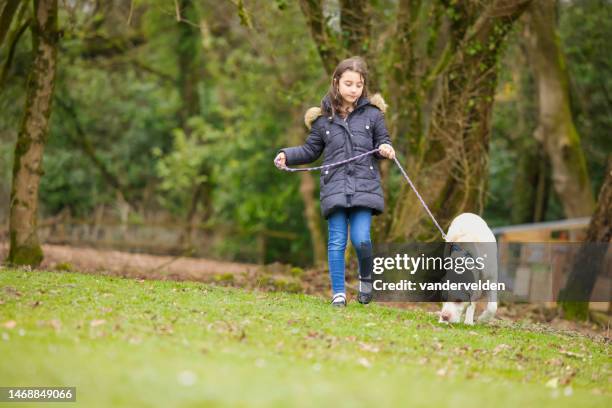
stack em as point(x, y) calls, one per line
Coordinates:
point(356, 64)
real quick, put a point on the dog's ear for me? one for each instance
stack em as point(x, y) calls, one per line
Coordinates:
point(457, 236)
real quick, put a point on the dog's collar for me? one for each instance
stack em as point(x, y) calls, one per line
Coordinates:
point(464, 253)
point(456, 250)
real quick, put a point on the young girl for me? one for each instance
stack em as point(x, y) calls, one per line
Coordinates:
point(348, 123)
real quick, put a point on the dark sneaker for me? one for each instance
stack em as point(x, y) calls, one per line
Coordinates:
point(339, 300)
point(365, 291)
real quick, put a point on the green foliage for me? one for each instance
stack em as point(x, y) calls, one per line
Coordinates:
point(180, 170)
point(68, 183)
point(256, 70)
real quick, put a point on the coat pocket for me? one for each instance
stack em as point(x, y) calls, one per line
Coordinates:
point(327, 174)
point(373, 167)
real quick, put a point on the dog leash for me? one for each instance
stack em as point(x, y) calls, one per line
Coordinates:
point(285, 168)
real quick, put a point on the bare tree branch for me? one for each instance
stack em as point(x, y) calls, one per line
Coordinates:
point(6, 18)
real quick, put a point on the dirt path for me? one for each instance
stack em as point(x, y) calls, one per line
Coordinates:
point(135, 265)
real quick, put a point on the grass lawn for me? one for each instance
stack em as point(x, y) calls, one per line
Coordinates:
point(132, 343)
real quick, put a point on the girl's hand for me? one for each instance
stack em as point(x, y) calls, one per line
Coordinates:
point(280, 160)
point(386, 150)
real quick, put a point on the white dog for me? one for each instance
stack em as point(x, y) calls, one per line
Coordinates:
point(470, 229)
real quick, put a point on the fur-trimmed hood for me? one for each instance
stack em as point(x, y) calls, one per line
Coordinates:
point(375, 100)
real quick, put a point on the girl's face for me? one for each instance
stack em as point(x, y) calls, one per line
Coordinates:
point(350, 86)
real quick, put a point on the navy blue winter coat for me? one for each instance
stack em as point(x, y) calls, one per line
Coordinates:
point(353, 184)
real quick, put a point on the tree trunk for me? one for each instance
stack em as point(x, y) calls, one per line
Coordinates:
point(356, 28)
point(186, 240)
point(313, 218)
point(531, 185)
point(405, 92)
point(556, 130)
point(355, 24)
point(452, 173)
point(188, 52)
point(27, 168)
point(326, 46)
point(574, 297)
point(355, 40)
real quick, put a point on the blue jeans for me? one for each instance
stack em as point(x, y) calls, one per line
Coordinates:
point(360, 219)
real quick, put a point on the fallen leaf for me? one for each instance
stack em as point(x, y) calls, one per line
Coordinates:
point(10, 324)
point(56, 324)
point(165, 329)
point(242, 336)
point(369, 347)
point(572, 354)
point(567, 378)
point(12, 291)
point(97, 322)
point(186, 378)
point(500, 347)
point(520, 356)
point(553, 382)
point(461, 350)
point(312, 334)
point(557, 362)
point(364, 362)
